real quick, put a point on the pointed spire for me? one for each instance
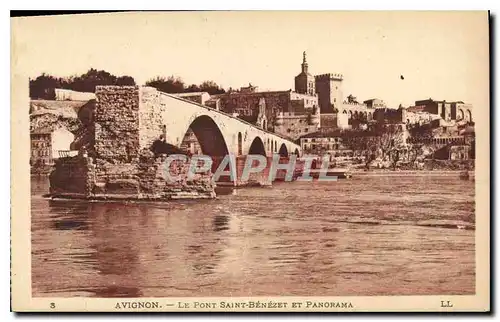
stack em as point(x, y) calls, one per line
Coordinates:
point(304, 63)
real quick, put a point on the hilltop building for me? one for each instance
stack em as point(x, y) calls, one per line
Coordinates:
point(448, 111)
point(289, 113)
point(317, 104)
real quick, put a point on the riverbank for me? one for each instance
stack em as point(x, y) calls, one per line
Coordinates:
point(396, 173)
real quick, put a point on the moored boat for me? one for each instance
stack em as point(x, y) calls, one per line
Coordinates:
point(339, 173)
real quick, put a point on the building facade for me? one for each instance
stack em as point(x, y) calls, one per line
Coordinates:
point(329, 89)
point(294, 125)
point(321, 144)
point(190, 143)
point(279, 105)
point(70, 95)
point(375, 103)
point(448, 111)
point(41, 147)
point(47, 145)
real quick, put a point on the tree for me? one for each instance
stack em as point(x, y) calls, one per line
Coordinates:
point(352, 99)
point(43, 87)
point(87, 82)
point(358, 119)
point(193, 88)
point(392, 143)
point(125, 81)
point(168, 85)
point(363, 142)
point(421, 139)
point(211, 88)
point(174, 84)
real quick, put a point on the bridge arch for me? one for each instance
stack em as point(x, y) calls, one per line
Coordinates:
point(257, 147)
point(283, 150)
point(461, 115)
point(209, 136)
point(296, 152)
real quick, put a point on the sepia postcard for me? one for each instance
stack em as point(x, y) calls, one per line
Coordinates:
point(260, 161)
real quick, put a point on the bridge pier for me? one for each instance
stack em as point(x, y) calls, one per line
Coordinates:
point(251, 177)
point(237, 179)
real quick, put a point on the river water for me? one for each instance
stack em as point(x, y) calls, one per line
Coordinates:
point(362, 236)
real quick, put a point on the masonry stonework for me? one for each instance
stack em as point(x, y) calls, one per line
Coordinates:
point(117, 124)
point(151, 114)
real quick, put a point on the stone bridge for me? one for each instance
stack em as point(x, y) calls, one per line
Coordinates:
point(128, 119)
point(218, 133)
point(115, 161)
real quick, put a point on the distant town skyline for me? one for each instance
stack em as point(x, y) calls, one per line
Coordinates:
point(442, 55)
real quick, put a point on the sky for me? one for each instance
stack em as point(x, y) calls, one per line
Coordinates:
point(442, 55)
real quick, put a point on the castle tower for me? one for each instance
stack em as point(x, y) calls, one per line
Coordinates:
point(329, 89)
point(304, 82)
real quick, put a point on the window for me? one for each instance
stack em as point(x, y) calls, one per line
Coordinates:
point(306, 129)
point(288, 130)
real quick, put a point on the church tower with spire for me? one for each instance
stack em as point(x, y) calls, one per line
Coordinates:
point(304, 82)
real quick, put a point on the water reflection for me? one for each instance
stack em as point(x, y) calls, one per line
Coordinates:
point(221, 223)
point(293, 239)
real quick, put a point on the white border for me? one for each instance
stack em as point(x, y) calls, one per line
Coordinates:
point(188, 5)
